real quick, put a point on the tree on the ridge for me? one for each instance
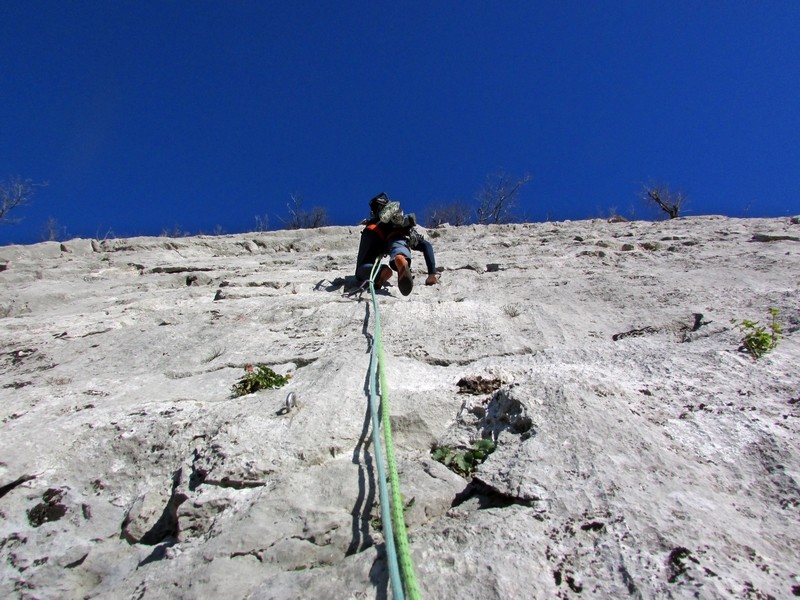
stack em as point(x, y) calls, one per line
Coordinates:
point(498, 197)
point(299, 218)
point(53, 231)
point(455, 213)
point(661, 196)
point(15, 193)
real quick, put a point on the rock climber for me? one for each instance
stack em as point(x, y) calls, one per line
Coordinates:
point(389, 231)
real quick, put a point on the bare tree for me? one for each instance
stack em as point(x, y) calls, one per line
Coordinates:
point(262, 223)
point(661, 196)
point(455, 213)
point(15, 193)
point(299, 218)
point(52, 231)
point(175, 232)
point(498, 197)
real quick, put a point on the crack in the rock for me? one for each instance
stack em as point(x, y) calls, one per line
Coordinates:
point(5, 489)
point(462, 362)
point(166, 529)
point(489, 497)
point(315, 538)
point(236, 484)
point(199, 476)
point(76, 563)
point(299, 361)
point(311, 540)
point(174, 270)
point(255, 553)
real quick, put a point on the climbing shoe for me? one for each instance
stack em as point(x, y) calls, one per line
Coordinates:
point(404, 279)
point(432, 279)
point(384, 275)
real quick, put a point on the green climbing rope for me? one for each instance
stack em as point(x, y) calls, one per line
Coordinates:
point(386, 516)
point(396, 502)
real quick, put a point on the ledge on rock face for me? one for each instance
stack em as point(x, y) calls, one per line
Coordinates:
point(34, 252)
point(153, 517)
point(764, 237)
point(78, 246)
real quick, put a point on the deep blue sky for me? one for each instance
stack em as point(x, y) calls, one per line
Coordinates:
point(148, 116)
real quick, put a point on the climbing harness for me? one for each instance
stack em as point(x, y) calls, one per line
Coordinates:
point(398, 554)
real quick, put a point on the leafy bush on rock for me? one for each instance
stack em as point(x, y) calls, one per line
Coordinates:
point(260, 377)
point(464, 462)
point(759, 339)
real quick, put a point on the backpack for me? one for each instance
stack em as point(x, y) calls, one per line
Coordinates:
point(385, 211)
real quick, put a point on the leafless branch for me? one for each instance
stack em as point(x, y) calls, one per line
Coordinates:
point(455, 213)
point(661, 196)
point(498, 197)
point(15, 193)
point(299, 218)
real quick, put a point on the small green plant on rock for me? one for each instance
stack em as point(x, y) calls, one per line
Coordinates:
point(259, 377)
point(464, 462)
point(759, 339)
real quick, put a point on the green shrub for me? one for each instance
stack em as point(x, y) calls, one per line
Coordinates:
point(464, 462)
point(758, 339)
point(260, 377)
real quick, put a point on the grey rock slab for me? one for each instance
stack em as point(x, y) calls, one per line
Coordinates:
point(664, 463)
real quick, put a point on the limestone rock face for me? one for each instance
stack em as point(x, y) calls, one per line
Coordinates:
point(637, 450)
